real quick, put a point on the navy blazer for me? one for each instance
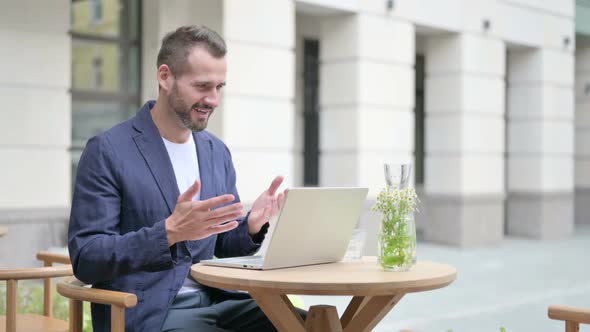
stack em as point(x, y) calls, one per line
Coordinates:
point(125, 189)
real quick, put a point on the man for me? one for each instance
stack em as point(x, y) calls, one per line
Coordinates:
point(156, 194)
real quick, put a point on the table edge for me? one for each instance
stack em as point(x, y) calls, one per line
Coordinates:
point(278, 287)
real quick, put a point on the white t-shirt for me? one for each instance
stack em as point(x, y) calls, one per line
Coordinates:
point(185, 163)
point(186, 170)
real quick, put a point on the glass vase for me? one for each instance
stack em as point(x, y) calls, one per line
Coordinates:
point(397, 231)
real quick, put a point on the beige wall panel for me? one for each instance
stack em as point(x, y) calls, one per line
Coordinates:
point(307, 26)
point(557, 7)
point(582, 143)
point(261, 71)
point(172, 14)
point(339, 83)
point(475, 12)
point(340, 37)
point(35, 58)
point(582, 173)
point(536, 101)
point(583, 58)
point(387, 129)
point(555, 29)
point(386, 85)
point(258, 123)
point(443, 94)
point(582, 87)
point(547, 66)
point(540, 173)
point(339, 129)
point(256, 168)
point(473, 94)
point(333, 5)
point(34, 178)
point(483, 94)
point(402, 9)
point(387, 40)
point(483, 174)
point(582, 116)
point(35, 117)
point(444, 15)
point(463, 133)
point(443, 174)
point(519, 25)
point(339, 168)
point(275, 28)
point(35, 16)
point(536, 137)
point(465, 53)
point(454, 174)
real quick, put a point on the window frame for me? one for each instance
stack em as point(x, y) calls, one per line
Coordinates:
point(125, 43)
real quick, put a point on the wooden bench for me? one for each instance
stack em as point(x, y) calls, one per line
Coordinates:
point(33, 322)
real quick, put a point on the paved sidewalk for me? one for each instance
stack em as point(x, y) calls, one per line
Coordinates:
point(509, 286)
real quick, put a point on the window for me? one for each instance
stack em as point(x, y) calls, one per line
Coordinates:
point(97, 72)
point(96, 11)
point(311, 151)
point(105, 67)
point(419, 121)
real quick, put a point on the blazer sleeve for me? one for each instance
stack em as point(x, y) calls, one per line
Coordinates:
point(238, 241)
point(98, 251)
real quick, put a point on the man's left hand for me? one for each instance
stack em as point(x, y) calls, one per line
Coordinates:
point(266, 206)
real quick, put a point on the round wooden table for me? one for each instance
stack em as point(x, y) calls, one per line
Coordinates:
point(374, 291)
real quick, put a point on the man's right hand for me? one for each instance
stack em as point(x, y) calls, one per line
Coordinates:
point(194, 220)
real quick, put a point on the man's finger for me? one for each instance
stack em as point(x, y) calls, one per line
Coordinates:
point(280, 201)
point(262, 217)
point(275, 184)
point(229, 218)
point(229, 209)
point(188, 195)
point(274, 203)
point(216, 201)
point(216, 229)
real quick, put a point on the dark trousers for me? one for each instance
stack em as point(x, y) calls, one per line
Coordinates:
point(216, 310)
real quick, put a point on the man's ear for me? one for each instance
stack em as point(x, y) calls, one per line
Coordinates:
point(165, 77)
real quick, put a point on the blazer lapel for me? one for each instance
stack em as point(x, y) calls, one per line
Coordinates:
point(152, 148)
point(205, 155)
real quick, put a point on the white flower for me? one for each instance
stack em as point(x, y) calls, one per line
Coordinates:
point(393, 201)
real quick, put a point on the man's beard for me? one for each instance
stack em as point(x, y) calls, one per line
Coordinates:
point(183, 112)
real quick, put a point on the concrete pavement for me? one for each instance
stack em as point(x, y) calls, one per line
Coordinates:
point(509, 285)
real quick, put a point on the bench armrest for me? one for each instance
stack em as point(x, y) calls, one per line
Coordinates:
point(569, 314)
point(73, 288)
point(36, 273)
point(52, 257)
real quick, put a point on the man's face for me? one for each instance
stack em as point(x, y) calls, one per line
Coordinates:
point(196, 92)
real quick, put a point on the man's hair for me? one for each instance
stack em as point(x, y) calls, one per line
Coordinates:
point(176, 46)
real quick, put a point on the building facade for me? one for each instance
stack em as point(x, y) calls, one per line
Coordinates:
point(489, 99)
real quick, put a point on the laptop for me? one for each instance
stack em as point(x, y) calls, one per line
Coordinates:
point(313, 227)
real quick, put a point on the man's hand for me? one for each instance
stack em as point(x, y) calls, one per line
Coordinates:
point(198, 220)
point(266, 206)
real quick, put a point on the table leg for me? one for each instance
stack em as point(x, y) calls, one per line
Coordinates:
point(280, 311)
point(368, 311)
point(354, 306)
point(322, 318)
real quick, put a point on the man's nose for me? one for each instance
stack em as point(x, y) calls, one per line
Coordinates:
point(212, 98)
